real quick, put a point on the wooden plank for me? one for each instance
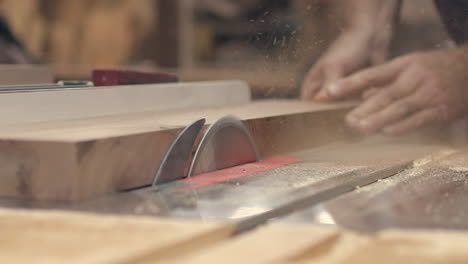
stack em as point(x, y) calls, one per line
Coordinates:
point(58, 237)
point(33, 236)
point(68, 160)
point(303, 243)
point(395, 246)
point(271, 244)
point(411, 246)
point(138, 123)
point(64, 104)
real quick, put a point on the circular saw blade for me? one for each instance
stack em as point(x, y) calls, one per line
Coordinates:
point(174, 164)
point(226, 143)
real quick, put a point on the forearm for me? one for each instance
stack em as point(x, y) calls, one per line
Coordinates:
point(373, 22)
point(370, 16)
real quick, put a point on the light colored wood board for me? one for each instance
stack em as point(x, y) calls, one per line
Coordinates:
point(66, 104)
point(58, 237)
point(397, 246)
point(84, 158)
point(294, 244)
point(31, 236)
point(138, 123)
point(335, 251)
point(411, 246)
point(25, 75)
point(270, 244)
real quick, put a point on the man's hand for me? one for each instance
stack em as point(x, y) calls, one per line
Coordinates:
point(408, 92)
point(351, 52)
point(364, 41)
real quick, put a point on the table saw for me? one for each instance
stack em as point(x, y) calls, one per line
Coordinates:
point(197, 154)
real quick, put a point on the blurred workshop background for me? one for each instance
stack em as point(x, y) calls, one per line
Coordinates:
point(269, 43)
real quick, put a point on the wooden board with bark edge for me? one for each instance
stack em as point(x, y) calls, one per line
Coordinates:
point(76, 159)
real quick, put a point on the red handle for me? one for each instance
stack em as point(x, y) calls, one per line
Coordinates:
point(109, 77)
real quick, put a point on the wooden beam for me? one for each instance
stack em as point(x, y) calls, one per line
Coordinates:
point(69, 160)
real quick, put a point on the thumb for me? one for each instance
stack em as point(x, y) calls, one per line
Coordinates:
point(332, 74)
point(312, 83)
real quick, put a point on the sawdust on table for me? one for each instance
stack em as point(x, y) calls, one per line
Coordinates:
point(383, 184)
point(323, 171)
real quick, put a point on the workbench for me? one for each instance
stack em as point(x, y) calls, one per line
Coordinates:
point(320, 193)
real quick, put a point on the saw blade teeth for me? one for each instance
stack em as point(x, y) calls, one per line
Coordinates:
point(226, 143)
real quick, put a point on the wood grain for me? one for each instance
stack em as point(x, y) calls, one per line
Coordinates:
point(271, 244)
point(397, 246)
point(32, 236)
point(69, 160)
point(58, 237)
point(302, 243)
